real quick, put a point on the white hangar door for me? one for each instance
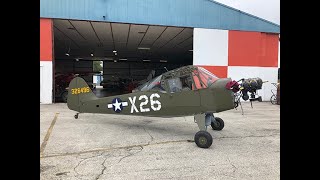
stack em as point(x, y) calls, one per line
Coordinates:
point(46, 82)
point(40, 83)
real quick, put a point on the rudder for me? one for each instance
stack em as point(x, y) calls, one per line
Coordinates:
point(78, 92)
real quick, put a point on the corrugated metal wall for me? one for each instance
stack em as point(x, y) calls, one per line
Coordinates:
point(46, 39)
point(243, 55)
point(46, 56)
point(186, 13)
point(253, 49)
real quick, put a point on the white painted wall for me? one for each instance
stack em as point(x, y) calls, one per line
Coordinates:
point(210, 47)
point(46, 82)
point(269, 74)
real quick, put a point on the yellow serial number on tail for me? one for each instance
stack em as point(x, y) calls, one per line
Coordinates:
point(80, 90)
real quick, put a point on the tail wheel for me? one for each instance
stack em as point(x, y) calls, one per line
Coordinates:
point(236, 104)
point(203, 139)
point(273, 99)
point(218, 125)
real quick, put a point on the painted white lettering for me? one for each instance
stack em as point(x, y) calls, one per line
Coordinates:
point(144, 103)
point(155, 102)
point(133, 106)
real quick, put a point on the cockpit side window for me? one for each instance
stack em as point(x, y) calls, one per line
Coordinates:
point(175, 85)
point(186, 83)
point(180, 84)
point(198, 84)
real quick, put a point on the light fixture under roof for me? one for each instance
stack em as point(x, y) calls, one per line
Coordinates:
point(123, 59)
point(77, 59)
point(115, 61)
point(114, 51)
point(67, 53)
point(163, 60)
point(146, 60)
point(144, 48)
point(91, 54)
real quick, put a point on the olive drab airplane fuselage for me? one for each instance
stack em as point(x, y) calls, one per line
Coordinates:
point(185, 91)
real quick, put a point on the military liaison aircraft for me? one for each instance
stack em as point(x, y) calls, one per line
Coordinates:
point(186, 91)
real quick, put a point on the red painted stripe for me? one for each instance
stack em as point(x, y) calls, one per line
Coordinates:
point(46, 40)
point(253, 49)
point(219, 71)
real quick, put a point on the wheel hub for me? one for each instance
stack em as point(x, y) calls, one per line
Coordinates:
point(203, 140)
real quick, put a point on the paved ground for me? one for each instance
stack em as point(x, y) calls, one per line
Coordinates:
point(127, 147)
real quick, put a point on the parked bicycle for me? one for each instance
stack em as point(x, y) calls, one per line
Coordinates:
point(273, 98)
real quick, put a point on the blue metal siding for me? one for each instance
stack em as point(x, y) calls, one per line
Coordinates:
point(185, 13)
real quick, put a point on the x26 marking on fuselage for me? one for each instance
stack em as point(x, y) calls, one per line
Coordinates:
point(155, 104)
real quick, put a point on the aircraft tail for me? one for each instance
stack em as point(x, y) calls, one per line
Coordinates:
point(78, 92)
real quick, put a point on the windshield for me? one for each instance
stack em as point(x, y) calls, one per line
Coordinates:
point(206, 77)
point(206, 74)
point(154, 84)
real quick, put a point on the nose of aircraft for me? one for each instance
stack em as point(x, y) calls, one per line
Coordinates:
point(224, 83)
point(223, 94)
point(232, 85)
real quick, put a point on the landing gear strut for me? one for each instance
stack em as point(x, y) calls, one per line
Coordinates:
point(203, 139)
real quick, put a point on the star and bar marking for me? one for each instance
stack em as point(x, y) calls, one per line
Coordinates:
point(117, 105)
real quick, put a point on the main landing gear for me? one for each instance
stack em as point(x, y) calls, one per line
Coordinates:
point(202, 138)
point(76, 116)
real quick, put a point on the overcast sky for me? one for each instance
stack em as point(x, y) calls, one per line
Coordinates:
point(265, 9)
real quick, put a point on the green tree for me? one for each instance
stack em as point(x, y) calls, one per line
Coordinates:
point(97, 66)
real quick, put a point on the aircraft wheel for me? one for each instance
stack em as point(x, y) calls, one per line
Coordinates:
point(218, 125)
point(203, 139)
point(76, 116)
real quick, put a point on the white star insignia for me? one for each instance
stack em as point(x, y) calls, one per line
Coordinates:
point(117, 105)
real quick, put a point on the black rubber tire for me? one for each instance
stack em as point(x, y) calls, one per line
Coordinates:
point(273, 99)
point(76, 116)
point(203, 139)
point(236, 104)
point(64, 96)
point(219, 126)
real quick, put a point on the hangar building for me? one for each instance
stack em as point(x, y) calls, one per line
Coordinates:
point(134, 37)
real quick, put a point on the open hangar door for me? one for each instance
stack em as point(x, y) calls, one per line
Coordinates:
point(66, 70)
point(123, 77)
point(129, 52)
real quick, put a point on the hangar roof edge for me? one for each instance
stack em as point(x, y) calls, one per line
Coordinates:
point(185, 13)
